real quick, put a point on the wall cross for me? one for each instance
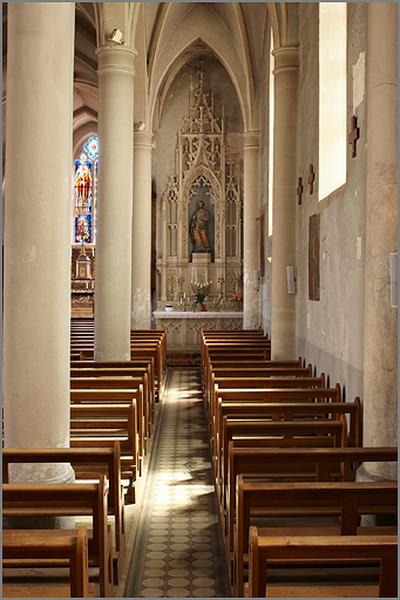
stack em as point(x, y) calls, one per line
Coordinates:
point(311, 178)
point(299, 190)
point(354, 135)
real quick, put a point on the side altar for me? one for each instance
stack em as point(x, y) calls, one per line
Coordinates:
point(199, 229)
point(183, 327)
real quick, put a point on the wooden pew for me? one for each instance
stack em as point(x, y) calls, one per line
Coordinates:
point(147, 352)
point(342, 502)
point(138, 364)
point(296, 410)
point(61, 544)
point(284, 434)
point(227, 366)
point(77, 499)
point(151, 343)
point(139, 350)
point(84, 461)
point(155, 333)
point(267, 381)
point(237, 411)
point(131, 384)
point(139, 376)
point(105, 400)
point(103, 425)
point(347, 548)
point(308, 433)
point(264, 396)
point(296, 464)
point(239, 377)
point(238, 336)
point(235, 351)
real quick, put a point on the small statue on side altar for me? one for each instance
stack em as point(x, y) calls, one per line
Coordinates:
point(199, 229)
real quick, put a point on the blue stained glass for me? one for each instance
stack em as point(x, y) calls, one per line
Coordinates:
point(92, 147)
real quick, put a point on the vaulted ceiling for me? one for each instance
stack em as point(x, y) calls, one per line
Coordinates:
point(166, 36)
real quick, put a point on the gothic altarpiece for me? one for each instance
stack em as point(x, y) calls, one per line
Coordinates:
point(201, 212)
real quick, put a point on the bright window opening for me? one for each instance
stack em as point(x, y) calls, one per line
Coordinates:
point(332, 96)
point(271, 135)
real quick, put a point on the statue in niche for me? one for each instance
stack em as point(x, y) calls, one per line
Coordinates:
point(199, 228)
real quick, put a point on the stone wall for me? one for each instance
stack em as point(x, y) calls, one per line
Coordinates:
point(329, 332)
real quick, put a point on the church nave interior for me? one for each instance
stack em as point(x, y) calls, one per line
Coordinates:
point(200, 299)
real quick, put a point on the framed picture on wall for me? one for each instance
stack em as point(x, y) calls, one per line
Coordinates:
point(313, 258)
point(262, 244)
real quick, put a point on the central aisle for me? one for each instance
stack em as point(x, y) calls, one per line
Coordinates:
point(179, 551)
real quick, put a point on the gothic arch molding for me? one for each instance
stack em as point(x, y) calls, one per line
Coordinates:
point(205, 181)
point(82, 134)
point(159, 89)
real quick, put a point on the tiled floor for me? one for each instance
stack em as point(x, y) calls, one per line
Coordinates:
point(178, 551)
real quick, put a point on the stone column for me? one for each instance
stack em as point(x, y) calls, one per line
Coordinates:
point(380, 320)
point(114, 209)
point(37, 233)
point(141, 232)
point(284, 204)
point(251, 317)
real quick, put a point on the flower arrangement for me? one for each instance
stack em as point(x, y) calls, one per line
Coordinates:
point(200, 292)
point(237, 301)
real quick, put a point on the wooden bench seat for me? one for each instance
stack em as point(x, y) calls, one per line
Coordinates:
point(141, 352)
point(236, 411)
point(284, 434)
point(238, 371)
point(343, 502)
point(226, 366)
point(76, 499)
point(106, 424)
point(159, 335)
point(297, 410)
point(253, 354)
point(296, 464)
point(137, 376)
point(146, 365)
point(344, 548)
point(131, 459)
point(67, 545)
point(266, 395)
point(140, 349)
point(85, 462)
point(131, 385)
point(269, 381)
point(233, 344)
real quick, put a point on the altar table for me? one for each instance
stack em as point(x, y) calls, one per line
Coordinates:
point(183, 327)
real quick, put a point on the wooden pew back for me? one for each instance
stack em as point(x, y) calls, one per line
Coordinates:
point(69, 545)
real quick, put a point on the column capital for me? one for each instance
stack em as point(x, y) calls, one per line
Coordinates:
point(116, 58)
point(251, 139)
point(143, 139)
point(286, 59)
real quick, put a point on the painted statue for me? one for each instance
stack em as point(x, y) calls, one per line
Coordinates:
point(199, 228)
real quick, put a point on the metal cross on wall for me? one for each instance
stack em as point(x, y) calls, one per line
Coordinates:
point(354, 135)
point(299, 190)
point(311, 178)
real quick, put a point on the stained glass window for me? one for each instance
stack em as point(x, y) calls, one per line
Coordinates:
point(85, 191)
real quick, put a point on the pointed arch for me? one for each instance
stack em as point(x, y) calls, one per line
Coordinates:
point(159, 89)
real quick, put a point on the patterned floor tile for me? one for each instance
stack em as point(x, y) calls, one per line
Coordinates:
point(179, 553)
